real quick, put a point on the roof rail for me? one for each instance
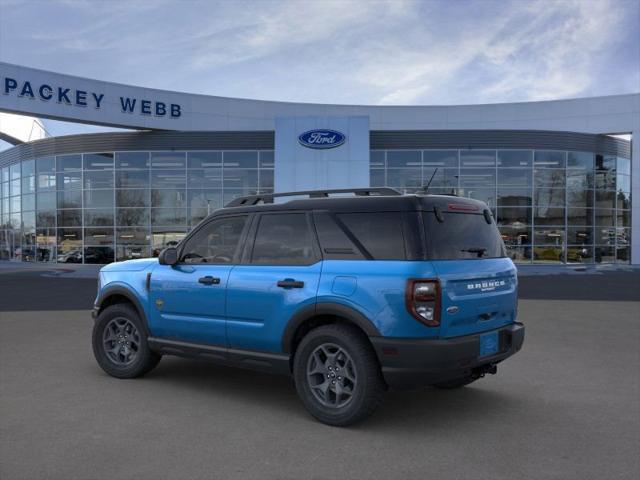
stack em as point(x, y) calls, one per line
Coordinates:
point(268, 197)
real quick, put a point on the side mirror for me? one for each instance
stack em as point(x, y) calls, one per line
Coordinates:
point(168, 256)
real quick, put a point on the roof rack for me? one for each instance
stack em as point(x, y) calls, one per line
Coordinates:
point(268, 197)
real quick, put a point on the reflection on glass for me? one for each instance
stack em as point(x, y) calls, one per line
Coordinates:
point(580, 235)
point(514, 216)
point(440, 178)
point(133, 216)
point(549, 159)
point(162, 238)
point(205, 178)
point(517, 197)
point(440, 158)
point(98, 179)
point(240, 159)
point(580, 254)
point(68, 162)
point(477, 158)
point(98, 236)
point(69, 180)
point(477, 177)
point(404, 159)
point(98, 199)
point(98, 217)
point(548, 254)
point(548, 216)
point(486, 195)
point(519, 254)
point(132, 198)
point(404, 177)
point(28, 168)
point(168, 217)
point(168, 178)
point(138, 160)
point(514, 176)
point(132, 178)
point(131, 252)
point(515, 158)
point(604, 254)
point(377, 178)
point(70, 218)
point(606, 218)
point(97, 161)
point(168, 198)
point(43, 165)
point(267, 159)
point(583, 160)
point(168, 160)
point(204, 159)
point(98, 255)
point(516, 234)
point(238, 178)
point(132, 236)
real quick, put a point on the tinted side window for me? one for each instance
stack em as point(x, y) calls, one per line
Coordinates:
point(334, 242)
point(379, 233)
point(283, 239)
point(217, 242)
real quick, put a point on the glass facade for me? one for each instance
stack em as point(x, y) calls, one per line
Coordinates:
point(550, 206)
point(106, 206)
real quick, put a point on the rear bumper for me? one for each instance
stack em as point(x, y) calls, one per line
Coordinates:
point(413, 363)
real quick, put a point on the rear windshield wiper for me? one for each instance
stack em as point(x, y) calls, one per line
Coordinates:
point(480, 251)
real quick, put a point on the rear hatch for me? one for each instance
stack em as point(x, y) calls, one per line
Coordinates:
point(478, 282)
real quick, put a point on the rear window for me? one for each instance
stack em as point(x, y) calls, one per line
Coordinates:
point(461, 236)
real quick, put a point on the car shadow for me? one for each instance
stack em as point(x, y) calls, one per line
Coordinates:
point(402, 411)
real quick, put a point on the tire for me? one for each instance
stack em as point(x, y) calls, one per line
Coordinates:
point(341, 354)
point(130, 356)
point(456, 383)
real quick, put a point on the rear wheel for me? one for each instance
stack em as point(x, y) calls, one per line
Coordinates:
point(337, 375)
point(120, 343)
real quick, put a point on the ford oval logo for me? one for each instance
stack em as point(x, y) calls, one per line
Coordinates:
point(322, 138)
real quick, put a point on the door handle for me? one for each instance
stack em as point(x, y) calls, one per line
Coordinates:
point(290, 283)
point(209, 280)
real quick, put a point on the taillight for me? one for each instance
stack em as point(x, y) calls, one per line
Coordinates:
point(423, 301)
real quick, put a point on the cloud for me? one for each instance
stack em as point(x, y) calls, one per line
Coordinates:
point(337, 51)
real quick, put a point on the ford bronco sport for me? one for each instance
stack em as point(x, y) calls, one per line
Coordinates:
point(351, 295)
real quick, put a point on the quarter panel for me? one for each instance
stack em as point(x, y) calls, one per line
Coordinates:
point(379, 292)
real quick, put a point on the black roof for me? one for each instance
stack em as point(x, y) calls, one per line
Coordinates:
point(374, 203)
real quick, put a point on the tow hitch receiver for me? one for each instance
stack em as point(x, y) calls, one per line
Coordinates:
point(489, 369)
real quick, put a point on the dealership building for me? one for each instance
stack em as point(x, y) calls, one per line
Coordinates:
point(561, 177)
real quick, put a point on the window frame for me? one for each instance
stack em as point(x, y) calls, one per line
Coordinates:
point(247, 255)
point(206, 224)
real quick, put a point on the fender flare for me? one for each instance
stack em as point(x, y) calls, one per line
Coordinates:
point(326, 308)
point(110, 291)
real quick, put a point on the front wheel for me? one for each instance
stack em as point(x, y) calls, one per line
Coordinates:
point(337, 375)
point(120, 343)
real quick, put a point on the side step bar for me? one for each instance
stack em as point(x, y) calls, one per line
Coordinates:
point(250, 359)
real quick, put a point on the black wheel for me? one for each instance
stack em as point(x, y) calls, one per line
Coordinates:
point(456, 383)
point(120, 343)
point(337, 375)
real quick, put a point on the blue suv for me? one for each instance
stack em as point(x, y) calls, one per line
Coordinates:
point(350, 292)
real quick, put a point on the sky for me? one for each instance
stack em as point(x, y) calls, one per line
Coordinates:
point(392, 52)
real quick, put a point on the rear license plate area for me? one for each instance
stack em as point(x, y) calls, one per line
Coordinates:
point(489, 344)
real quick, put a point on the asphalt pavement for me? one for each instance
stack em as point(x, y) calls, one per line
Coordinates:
point(566, 407)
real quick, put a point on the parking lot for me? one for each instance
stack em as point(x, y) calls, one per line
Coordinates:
point(566, 407)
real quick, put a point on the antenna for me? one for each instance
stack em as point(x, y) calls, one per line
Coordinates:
point(426, 187)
